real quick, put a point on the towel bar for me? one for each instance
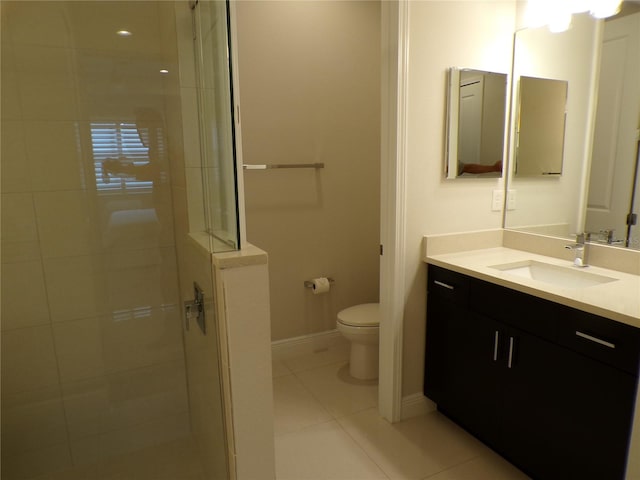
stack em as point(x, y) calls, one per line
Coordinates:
point(283, 165)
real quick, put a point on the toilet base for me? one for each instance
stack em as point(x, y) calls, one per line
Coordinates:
point(363, 362)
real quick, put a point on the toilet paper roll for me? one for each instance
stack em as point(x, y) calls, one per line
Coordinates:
point(320, 285)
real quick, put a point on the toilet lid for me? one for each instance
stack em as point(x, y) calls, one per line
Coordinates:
point(365, 315)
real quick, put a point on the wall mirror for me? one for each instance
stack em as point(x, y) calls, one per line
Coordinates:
point(598, 191)
point(476, 106)
point(613, 200)
point(542, 104)
point(555, 204)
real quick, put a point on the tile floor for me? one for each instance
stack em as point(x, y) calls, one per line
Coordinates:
point(327, 427)
point(175, 460)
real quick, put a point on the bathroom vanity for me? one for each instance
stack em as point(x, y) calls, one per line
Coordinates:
point(538, 368)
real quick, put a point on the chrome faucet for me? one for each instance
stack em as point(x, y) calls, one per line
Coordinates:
point(605, 236)
point(580, 249)
point(608, 234)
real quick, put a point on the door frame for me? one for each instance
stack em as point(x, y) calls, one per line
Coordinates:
point(393, 149)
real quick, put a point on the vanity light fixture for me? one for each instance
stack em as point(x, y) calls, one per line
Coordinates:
point(605, 8)
point(164, 71)
point(557, 14)
point(124, 33)
point(560, 22)
point(538, 12)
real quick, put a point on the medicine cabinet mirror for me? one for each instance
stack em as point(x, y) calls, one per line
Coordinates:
point(540, 126)
point(476, 106)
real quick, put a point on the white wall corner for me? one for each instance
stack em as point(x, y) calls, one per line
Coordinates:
point(247, 322)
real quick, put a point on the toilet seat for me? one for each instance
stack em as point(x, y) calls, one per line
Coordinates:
point(364, 315)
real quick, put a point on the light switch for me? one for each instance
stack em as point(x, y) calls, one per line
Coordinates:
point(498, 200)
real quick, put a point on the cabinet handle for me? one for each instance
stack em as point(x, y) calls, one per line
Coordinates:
point(496, 340)
point(510, 362)
point(595, 339)
point(445, 285)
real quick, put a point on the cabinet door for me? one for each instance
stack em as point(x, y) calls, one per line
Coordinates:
point(462, 365)
point(596, 403)
point(565, 415)
point(531, 412)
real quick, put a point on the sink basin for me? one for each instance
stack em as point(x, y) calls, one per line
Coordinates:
point(566, 277)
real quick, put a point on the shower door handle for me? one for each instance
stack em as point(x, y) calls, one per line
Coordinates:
point(195, 309)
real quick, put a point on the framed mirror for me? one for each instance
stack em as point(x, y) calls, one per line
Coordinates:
point(599, 190)
point(613, 201)
point(542, 109)
point(476, 111)
point(555, 204)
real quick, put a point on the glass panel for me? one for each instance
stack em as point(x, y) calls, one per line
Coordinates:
point(94, 208)
point(215, 109)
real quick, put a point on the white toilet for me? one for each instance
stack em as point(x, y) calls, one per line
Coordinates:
point(360, 325)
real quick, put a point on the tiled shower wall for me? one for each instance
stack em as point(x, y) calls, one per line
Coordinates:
point(92, 353)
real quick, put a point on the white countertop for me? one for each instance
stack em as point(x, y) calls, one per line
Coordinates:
point(618, 300)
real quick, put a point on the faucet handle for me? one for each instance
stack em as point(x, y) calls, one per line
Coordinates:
point(583, 237)
point(605, 236)
point(608, 234)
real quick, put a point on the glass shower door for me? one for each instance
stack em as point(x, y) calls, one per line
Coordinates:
point(96, 259)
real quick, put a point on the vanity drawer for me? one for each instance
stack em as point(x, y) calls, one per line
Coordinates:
point(605, 340)
point(450, 285)
point(520, 310)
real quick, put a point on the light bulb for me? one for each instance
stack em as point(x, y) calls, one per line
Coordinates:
point(579, 6)
point(537, 13)
point(605, 8)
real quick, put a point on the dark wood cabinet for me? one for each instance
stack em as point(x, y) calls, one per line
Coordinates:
point(466, 382)
point(519, 373)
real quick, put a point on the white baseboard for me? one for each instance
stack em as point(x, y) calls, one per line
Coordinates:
point(415, 405)
point(306, 343)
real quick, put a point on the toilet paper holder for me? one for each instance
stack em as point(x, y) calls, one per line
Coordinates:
point(309, 283)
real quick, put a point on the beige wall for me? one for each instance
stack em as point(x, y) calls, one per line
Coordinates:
point(310, 92)
point(443, 34)
point(92, 355)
